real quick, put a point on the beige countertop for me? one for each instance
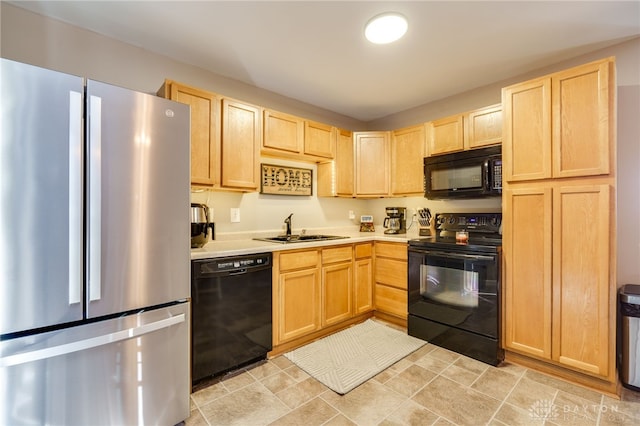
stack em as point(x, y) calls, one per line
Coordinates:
point(243, 243)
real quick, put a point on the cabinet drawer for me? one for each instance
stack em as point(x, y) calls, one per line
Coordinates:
point(363, 250)
point(391, 300)
point(337, 254)
point(391, 272)
point(298, 260)
point(394, 250)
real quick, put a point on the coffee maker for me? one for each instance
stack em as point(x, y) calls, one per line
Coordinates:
point(395, 222)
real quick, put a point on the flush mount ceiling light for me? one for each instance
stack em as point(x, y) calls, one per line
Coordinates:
point(385, 28)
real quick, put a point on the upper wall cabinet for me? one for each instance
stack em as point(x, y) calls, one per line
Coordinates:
point(445, 135)
point(335, 178)
point(239, 153)
point(205, 129)
point(225, 138)
point(474, 129)
point(372, 164)
point(283, 133)
point(407, 153)
point(484, 127)
point(289, 136)
point(319, 139)
point(559, 125)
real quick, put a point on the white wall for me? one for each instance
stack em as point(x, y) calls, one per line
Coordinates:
point(31, 38)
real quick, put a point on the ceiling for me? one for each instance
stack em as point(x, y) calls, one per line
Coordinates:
point(315, 52)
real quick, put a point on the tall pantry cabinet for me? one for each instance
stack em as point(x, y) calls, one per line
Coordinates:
point(559, 223)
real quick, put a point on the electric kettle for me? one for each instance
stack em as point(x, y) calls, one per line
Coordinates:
point(200, 225)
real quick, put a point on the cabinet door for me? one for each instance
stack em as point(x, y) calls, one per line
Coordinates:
point(372, 163)
point(239, 146)
point(582, 307)
point(344, 164)
point(319, 139)
point(484, 127)
point(582, 120)
point(446, 135)
point(363, 285)
point(527, 264)
point(407, 166)
point(526, 147)
point(205, 131)
point(337, 288)
point(298, 303)
point(283, 132)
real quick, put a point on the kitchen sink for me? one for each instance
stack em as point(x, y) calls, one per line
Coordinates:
point(283, 239)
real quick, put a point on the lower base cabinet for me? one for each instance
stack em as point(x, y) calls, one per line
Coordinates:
point(318, 291)
point(391, 280)
point(559, 290)
point(297, 294)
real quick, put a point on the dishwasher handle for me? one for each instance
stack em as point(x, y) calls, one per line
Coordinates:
point(230, 266)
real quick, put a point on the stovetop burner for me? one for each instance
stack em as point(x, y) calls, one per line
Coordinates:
point(484, 232)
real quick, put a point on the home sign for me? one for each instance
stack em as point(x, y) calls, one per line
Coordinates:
point(284, 180)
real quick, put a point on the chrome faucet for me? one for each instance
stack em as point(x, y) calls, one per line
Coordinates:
point(287, 222)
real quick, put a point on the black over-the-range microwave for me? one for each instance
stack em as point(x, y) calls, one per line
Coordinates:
point(476, 173)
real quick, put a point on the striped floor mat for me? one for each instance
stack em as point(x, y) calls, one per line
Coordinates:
point(345, 360)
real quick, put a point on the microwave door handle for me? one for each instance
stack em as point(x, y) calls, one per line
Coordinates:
point(460, 256)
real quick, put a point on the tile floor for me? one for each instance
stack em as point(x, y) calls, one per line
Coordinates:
point(432, 386)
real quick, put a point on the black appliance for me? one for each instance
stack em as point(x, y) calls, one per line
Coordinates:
point(476, 173)
point(454, 287)
point(231, 313)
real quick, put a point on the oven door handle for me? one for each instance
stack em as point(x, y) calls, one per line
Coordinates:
point(460, 256)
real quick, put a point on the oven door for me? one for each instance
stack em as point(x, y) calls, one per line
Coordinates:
point(456, 289)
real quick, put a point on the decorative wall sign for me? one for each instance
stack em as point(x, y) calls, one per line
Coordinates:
point(285, 180)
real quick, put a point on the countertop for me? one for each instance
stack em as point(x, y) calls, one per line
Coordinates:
point(243, 243)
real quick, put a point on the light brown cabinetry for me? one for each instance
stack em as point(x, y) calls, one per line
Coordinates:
point(558, 224)
point(296, 295)
point(319, 139)
point(225, 138)
point(445, 135)
point(474, 129)
point(205, 129)
point(289, 136)
point(391, 280)
point(337, 284)
point(363, 278)
point(560, 122)
point(372, 163)
point(335, 178)
point(557, 292)
point(407, 154)
point(319, 291)
point(484, 127)
point(282, 132)
point(241, 137)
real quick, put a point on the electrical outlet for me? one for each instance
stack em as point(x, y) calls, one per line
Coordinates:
point(235, 215)
point(352, 215)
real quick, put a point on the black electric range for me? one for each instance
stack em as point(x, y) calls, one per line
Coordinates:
point(454, 285)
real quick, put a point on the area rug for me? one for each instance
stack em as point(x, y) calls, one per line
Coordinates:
point(345, 360)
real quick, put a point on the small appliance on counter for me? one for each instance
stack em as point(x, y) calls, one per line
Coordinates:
point(395, 222)
point(200, 225)
point(366, 223)
point(424, 220)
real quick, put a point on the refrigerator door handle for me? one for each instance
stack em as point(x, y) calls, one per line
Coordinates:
point(75, 197)
point(95, 198)
point(81, 345)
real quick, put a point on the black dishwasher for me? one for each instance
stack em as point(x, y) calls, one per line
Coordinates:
point(231, 313)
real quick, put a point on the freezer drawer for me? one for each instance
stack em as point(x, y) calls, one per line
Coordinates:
point(131, 370)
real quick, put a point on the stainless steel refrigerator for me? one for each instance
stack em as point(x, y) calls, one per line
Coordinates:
point(94, 252)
